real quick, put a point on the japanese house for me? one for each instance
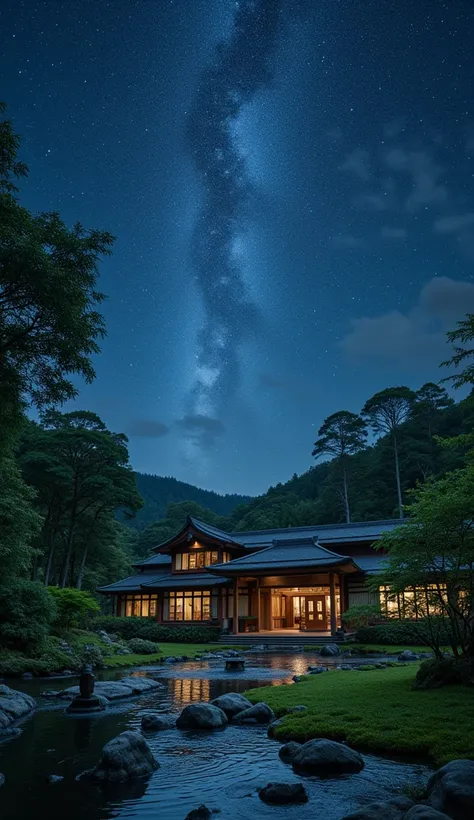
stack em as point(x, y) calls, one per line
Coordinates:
point(299, 578)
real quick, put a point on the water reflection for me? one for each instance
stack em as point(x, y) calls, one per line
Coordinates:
point(222, 769)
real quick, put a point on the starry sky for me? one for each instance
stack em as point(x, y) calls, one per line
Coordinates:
point(291, 185)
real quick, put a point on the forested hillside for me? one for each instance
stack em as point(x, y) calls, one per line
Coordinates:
point(160, 491)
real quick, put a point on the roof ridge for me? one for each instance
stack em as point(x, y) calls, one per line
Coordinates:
point(342, 524)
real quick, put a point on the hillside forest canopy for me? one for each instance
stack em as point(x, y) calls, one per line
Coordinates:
point(74, 514)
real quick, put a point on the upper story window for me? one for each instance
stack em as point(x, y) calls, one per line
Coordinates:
point(197, 559)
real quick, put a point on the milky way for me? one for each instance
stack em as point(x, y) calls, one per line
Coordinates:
point(240, 68)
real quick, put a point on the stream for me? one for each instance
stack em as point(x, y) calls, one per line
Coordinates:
point(222, 769)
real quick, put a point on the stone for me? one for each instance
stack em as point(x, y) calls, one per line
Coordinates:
point(329, 650)
point(201, 813)
point(258, 713)
point(232, 653)
point(393, 809)
point(346, 667)
point(451, 789)
point(280, 794)
point(288, 751)
point(321, 756)
point(125, 757)
point(407, 655)
point(425, 813)
point(157, 722)
point(11, 732)
point(297, 678)
point(54, 778)
point(273, 725)
point(114, 690)
point(13, 705)
point(295, 709)
point(2, 779)
point(260, 647)
point(171, 659)
point(317, 670)
point(105, 637)
point(27, 675)
point(231, 703)
point(201, 716)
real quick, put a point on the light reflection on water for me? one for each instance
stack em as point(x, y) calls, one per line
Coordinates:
point(222, 769)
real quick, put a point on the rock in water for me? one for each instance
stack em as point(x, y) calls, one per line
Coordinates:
point(280, 794)
point(407, 655)
point(451, 789)
point(232, 703)
point(288, 751)
point(2, 779)
point(394, 809)
point(259, 713)
point(13, 705)
point(425, 813)
point(274, 725)
point(201, 716)
point(54, 778)
point(156, 722)
point(125, 757)
point(321, 756)
point(201, 813)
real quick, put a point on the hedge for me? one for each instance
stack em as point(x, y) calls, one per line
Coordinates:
point(401, 632)
point(149, 630)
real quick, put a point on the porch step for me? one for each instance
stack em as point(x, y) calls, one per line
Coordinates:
point(278, 642)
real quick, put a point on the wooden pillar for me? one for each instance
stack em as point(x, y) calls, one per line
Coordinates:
point(342, 594)
point(258, 607)
point(332, 597)
point(236, 608)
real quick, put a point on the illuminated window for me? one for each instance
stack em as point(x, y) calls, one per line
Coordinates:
point(189, 605)
point(412, 603)
point(195, 560)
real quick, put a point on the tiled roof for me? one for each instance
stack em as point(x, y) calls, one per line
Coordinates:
point(133, 583)
point(189, 580)
point(155, 560)
point(324, 533)
point(302, 553)
point(214, 532)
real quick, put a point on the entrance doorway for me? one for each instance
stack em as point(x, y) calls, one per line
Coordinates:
point(315, 612)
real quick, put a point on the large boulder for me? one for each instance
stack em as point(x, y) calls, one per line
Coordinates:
point(13, 705)
point(281, 794)
point(201, 716)
point(394, 809)
point(321, 756)
point(274, 725)
point(408, 655)
point(154, 722)
point(329, 650)
point(125, 757)
point(288, 751)
point(451, 789)
point(425, 813)
point(232, 703)
point(258, 713)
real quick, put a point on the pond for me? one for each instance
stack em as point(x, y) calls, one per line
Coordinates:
point(222, 769)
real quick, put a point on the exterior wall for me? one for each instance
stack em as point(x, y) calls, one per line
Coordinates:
point(359, 595)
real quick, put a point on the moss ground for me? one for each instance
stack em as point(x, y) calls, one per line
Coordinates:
point(377, 711)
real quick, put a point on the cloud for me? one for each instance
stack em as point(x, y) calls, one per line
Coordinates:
point(393, 233)
point(147, 428)
point(201, 430)
point(357, 163)
point(373, 202)
point(406, 339)
point(454, 224)
point(346, 240)
point(426, 177)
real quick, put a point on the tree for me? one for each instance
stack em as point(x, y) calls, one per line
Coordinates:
point(433, 555)
point(430, 401)
point(49, 322)
point(386, 411)
point(19, 521)
point(341, 435)
point(464, 333)
point(82, 476)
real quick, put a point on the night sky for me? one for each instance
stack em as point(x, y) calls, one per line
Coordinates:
point(291, 185)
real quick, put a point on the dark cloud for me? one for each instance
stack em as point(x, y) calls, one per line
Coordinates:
point(241, 67)
point(201, 430)
point(147, 428)
point(406, 339)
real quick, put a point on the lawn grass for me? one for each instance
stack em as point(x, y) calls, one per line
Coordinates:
point(385, 647)
point(168, 650)
point(377, 711)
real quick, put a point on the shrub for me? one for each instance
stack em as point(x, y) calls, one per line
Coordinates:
point(438, 672)
point(48, 658)
point(149, 630)
point(358, 616)
point(72, 606)
point(27, 611)
point(140, 646)
point(90, 653)
point(402, 632)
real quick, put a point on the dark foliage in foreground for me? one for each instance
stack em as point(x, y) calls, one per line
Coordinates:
point(149, 630)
